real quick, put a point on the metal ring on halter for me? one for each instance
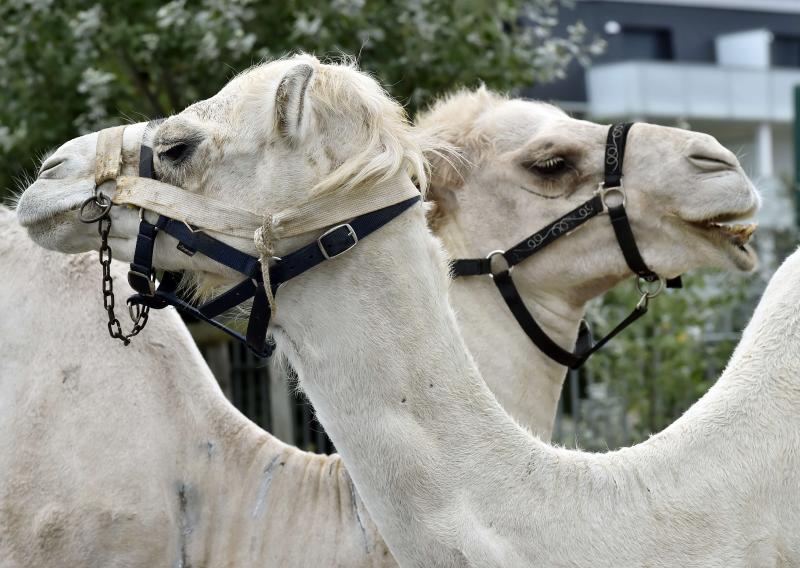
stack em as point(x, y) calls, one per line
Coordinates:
point(101, 201)
point(651, 288)
point(491, 257)
point(134, 308)
point(616, 189)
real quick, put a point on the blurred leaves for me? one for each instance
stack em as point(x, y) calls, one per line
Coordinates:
point(70, 67)
point(669, 358)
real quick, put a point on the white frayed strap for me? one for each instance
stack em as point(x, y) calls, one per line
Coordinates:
point(335, 208)
point(205, 213)
point(108, 155)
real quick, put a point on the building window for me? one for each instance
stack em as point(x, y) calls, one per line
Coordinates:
point(647, 43)
point(786, 51)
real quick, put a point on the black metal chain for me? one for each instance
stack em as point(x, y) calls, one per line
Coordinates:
point(138, 314)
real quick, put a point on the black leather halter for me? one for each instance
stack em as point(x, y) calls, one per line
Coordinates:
point(334, 242)
point(599, 203)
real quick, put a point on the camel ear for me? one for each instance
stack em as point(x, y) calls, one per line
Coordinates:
point(290, 101)
point(448, 168)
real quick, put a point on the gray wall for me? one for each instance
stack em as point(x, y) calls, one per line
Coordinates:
point(693, 30)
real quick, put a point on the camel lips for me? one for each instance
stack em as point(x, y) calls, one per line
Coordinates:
point(738, 234)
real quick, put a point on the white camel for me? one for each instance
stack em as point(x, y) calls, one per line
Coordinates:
point(448, 477)
point(131, 456)
point(501, 193)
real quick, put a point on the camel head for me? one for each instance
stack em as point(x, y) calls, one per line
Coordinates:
point(274, 137)
point(526, 163)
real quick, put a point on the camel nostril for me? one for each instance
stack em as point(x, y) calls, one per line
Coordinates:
point(712, 163)
point(50, 164)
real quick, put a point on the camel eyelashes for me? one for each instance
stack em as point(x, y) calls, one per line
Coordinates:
point(547, 167)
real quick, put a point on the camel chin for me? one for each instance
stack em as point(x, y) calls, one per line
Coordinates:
point(60, 234)
point(741, 257)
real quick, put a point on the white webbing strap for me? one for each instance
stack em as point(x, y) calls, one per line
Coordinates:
point(335, 208)
point(108, 155)
point(204, 213)
point(213, 215)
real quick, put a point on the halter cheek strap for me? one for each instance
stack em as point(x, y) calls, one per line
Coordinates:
point(612, 184)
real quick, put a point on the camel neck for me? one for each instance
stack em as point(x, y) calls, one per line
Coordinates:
point(526, 382)
point(378, 351)
point(448, 477)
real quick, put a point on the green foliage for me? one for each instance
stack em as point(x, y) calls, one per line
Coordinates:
point(72, 66)
point(655, 370)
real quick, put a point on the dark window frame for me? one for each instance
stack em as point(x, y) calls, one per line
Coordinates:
point(658, 43)
point(785, 51)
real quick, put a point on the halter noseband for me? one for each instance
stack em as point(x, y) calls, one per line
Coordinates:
point(599, 203)
point(337, 240)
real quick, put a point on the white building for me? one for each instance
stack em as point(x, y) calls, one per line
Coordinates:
point(726, 67)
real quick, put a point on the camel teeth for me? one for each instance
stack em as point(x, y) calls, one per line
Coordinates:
point(738, 233)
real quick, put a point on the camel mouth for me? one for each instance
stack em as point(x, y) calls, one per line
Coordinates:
point(733, 232)
point(737, 234)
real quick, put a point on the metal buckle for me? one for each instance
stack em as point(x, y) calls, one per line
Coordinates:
point(604, 191)
point(136, 278)
point(351, 233)
point(650, 288)
point(491, 256)
point(134, 312)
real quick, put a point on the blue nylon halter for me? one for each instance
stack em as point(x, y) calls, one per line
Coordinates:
point(334, 242)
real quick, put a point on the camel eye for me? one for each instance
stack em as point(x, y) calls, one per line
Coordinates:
point(549, 167)
point(177, 153)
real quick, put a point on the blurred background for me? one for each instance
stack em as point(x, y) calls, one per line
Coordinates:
point(726, 67)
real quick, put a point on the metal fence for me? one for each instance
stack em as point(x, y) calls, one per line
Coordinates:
point(265, 394)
